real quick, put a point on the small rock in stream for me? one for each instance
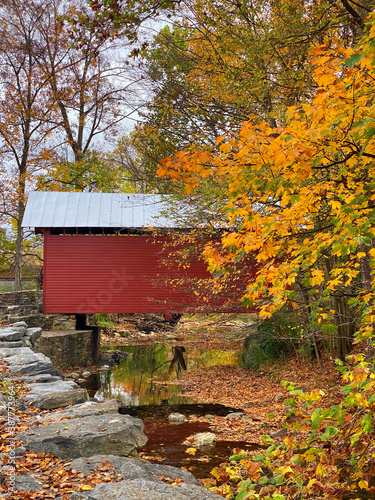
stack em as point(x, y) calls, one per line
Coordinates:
point(236, 414)
point(176, 418)
point(203, 439)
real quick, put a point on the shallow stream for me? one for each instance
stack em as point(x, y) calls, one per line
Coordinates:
point(147, 384)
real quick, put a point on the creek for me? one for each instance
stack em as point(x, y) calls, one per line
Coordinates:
point(147, 384)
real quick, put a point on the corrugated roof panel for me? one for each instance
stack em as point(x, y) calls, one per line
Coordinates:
point(137, 207)
point(59, 214)
point(149, 212)
point(94, 210)
point(104, 212)
point(116, 207)
point(49, 208)
point(71, 201)
point(60, 209)
point(34, 210)
point(83, 210)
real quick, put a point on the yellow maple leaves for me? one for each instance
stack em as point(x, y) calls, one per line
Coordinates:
point(300, 196)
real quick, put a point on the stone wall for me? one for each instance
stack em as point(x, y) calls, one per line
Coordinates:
point(70, 348)
point(67, 347)
point(19, 303)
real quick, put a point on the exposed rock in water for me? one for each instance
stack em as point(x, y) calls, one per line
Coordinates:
point(203, 439)
point(176, 418)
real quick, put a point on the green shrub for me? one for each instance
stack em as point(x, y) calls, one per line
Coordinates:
point(104, 322)
point(276, 337)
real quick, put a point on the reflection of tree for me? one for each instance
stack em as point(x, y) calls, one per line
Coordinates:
point(178, 360)
point(136, 379)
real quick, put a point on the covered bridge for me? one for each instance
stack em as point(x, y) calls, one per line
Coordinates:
point(100, 255)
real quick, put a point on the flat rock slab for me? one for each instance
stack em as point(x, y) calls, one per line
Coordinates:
point(6, 352)
point(59, 399)
point(26, 358)
point(113, 434)
point(139, 489)
point(10, 334)
point(130, 468)
point(20, 324)
point(24, 361)
point(12, 344)
point(55, 394)
point(41, 378)
point(41, 389)
point(84, 410)
point(33, 333)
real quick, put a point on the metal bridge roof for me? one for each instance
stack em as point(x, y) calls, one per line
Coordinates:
point(46, 209)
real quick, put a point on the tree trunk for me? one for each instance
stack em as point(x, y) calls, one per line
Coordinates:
point(19, 248)
point(314, 342)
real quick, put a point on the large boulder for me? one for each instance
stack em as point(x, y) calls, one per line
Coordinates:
point(10, 333)
point(58, 399)
point(84, 410)
point(131, 468)
point(137, 489)
point(82, 437)
point(24, 361)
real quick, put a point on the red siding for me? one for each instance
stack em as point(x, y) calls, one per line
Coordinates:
point(111, 274)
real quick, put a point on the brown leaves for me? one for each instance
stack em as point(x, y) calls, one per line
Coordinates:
point(53, 474)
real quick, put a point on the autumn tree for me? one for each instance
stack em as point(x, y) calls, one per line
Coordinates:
point(25, 112)
point(90, 82)
point(95, 171)
point(63, 87)
point(300, 199)
point(220, 64)
point(133, 164)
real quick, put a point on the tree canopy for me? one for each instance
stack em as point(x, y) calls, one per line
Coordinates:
point(300, 195)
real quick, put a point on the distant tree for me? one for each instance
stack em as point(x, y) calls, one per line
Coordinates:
point(62, 87)
point(95, 171)
point(90, 81)
point(25, 112)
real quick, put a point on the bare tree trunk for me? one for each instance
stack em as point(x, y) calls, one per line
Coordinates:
point(344, 317)
point(19, 240)
point(366, 278)
point(306, 300)
point(18, 258)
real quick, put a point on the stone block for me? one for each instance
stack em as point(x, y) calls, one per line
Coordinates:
point(83, 437)
point(59, 399)
point(68, 348)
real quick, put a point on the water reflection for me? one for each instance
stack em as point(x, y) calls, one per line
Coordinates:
point(149, 376)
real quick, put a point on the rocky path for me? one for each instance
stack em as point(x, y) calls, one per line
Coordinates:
point(87, 439)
